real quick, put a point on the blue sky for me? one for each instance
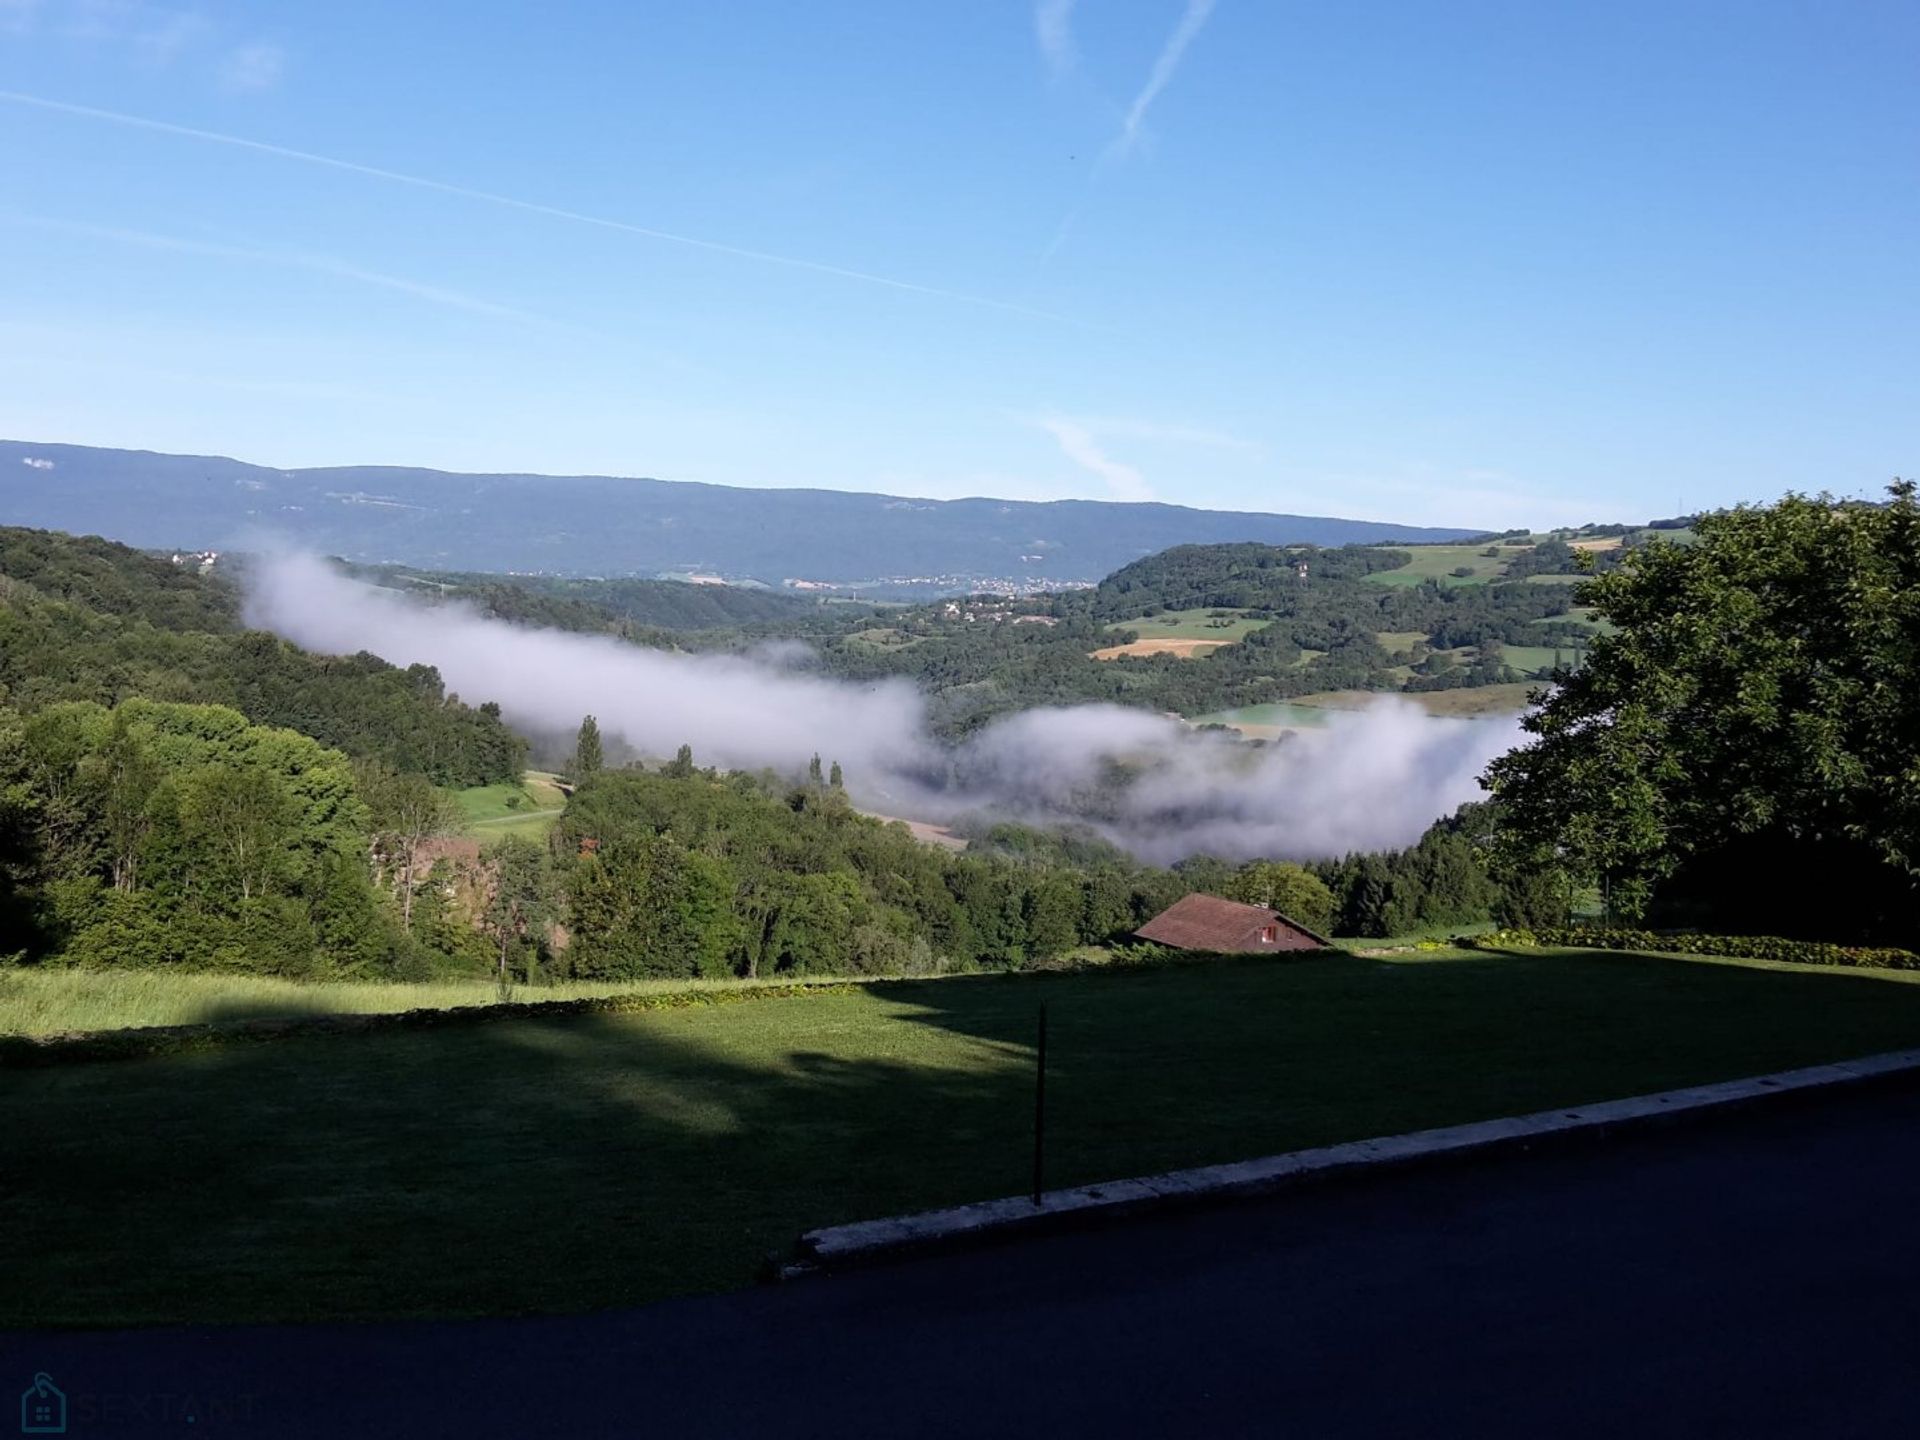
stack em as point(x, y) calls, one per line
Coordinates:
point(1473, 262)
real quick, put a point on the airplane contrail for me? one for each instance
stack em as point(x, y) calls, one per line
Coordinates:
point(488, 197)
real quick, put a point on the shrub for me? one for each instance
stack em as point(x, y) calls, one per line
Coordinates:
point(1742, 947)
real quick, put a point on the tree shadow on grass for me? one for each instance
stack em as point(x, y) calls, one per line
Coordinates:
point(567, 1164)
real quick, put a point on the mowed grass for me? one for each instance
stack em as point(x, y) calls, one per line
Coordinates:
point(37, 1001)
point(598, 1161)
point(529, 808)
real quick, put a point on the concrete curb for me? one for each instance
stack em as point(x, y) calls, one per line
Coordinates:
point(870, 1241)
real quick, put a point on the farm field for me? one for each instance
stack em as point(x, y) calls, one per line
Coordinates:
point(1400, 642)
point(1180, 649)
point(595, 1161)
point(1438, 562)
point(1534, 659)
point(1479, 700)
point(1186, 634)
point(1281, 716)
point(529, 808)
point(1192, 625)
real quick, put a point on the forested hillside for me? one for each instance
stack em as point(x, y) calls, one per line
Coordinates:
point(584, 604)
point(86, 619)
point(1292, 621)
point(1261, 624)
point(178, 791)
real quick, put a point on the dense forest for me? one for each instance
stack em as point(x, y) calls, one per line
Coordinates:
point(85, 619)
point(578, 603)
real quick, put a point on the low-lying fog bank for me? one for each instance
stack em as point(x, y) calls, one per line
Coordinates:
point(1368, 779)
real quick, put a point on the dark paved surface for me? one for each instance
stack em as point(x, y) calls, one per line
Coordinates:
point(1757, 1275)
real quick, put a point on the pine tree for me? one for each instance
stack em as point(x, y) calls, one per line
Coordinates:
point(814, 777)
point(835, 778)
point(588, 758)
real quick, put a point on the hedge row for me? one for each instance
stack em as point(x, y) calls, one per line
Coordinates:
point(17, 1051)
point(1740, 947)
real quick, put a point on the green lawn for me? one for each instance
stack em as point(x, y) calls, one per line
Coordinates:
point(1191, 625)
point(595, 1161)
point(37, 1001)
point(529, 808)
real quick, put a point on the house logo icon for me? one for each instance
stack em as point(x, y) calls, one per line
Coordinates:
point(43, 1407)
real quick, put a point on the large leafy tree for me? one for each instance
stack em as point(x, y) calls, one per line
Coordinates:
point(1291, 889)
point(1749, 731)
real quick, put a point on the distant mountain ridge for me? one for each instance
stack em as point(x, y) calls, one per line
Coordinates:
point(604, 525)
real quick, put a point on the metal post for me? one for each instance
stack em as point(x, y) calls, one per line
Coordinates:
point(1040, 1109)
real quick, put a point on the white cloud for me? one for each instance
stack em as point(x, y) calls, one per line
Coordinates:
point(1191, 20)
point(1053, 28)
point(1077, 443)
point(254, 67)
point(1366, 781)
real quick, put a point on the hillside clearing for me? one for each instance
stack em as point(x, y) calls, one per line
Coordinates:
point(1256, 719)
point(1179, 649)
point(529, 808)
point(1535, 659)
point(570, 1164)
point(1479, 700)
point(1438, 562)
point(1198, 624)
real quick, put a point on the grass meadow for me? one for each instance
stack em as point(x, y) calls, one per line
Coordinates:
point(1535, 659)
point(1438, 562)
point(1192, 625)
point(35, 1001)
point(529, 808)
point(1280, 715)
point(1479, 700)
point(567, 1164)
